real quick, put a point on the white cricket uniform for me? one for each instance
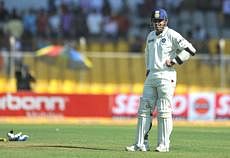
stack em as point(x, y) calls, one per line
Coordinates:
point(160, 84)
point(163, 47)
point(168, 45)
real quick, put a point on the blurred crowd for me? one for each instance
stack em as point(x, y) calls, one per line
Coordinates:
point(101, 20)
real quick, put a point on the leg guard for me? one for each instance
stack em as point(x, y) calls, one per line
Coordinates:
point(144, 121)
point(165, 124)
point(146, 137)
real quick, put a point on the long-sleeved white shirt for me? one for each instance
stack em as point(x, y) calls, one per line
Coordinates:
point(168, 45)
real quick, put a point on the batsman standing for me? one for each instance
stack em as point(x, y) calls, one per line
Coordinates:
point(164, 48)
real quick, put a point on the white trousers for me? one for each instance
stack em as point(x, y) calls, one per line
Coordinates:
point(158, 92)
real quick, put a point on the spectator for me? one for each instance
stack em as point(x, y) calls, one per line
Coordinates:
point(199, 33)
point(133, 5)
point(110, 28)
point(54, 24)
point(216, 5)
point(174, 5)
point(145, 8)
point(106, 10)
point(226, 12)
point(29, 22)
point(97, 5)
point(23, 78)
point(123, 24)
point(79, 23)
point(116, 5)
point(85, 5)
point(94, 23)
point(42, 23)
point(66, 22)
point(4, 15)
point(51, 5)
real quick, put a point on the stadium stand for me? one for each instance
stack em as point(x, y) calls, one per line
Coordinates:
point(227, 46)
point(98, 70)
point(54, 86)
point(198, 18)
point(95, 47)
point(124, 75)
point(11, 85)
point(96, 88)
point(115, 66)
point(137, 88)
point(122, 46)
point(3, 83)
point(137, 66)
point(41, 86)
point(110, 88)
point(212, 45)
point(110, 70)
point(68, 86)
point(125, 88)
point(82, 88)
point(108, 47)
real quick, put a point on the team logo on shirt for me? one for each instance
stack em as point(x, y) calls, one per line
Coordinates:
point(163, 40)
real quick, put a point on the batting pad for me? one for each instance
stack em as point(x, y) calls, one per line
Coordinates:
point(165, 126)
point(144, 120)
point(143, 127)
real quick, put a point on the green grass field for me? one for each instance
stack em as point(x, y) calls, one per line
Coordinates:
point(103, 141)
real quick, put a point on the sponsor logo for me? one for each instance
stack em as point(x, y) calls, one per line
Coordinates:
point(32, 103)
point(223, 106)
point(201, 105)
point(180, 105)
point(125, 105)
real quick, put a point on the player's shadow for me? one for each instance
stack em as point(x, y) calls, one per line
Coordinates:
point(69, 147)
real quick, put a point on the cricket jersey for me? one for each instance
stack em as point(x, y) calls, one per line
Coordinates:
point(168, 45)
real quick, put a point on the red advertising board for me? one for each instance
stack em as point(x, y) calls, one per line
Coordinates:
point(180, 106)
point(127, 105)
point(222, 106)
point(194, 106)
point(201, 106)
point(32, 104)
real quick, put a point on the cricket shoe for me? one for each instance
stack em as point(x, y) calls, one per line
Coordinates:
point(134, 148)
point(162, 148)
point(146, 144)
